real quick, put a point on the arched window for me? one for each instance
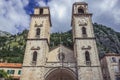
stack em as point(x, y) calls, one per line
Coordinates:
point(119, 61)
point(81, 11)
point(119, 65)
point(83, 30)
point(34, 56)
point(87, 57)
point(38, 31)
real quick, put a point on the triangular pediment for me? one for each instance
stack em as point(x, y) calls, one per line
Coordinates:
point(68, 54)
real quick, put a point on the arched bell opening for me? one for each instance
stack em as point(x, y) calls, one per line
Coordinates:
point(81, 10)
point(61, 74)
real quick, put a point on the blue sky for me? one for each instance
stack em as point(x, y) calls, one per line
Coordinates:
point(14, 14)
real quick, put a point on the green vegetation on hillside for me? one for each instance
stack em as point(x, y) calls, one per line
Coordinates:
point(63, 38)
point(12, 47)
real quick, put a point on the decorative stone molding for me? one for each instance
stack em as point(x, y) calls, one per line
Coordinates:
point(81, 24)
point(86, 48)
point(61, 56)
point(36, 25)
point(33, 48)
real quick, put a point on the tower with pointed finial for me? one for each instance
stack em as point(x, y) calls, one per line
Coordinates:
point(85, 49)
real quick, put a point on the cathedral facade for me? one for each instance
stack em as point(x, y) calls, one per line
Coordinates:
point(61, 63)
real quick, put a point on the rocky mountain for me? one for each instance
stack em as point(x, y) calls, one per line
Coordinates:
point(4, 33)
point(107, 39)
point(12, 47)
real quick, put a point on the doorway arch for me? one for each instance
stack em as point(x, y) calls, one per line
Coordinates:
point(61, 74)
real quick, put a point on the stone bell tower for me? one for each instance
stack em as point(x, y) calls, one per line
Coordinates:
point(85, 49)
point(37, 45)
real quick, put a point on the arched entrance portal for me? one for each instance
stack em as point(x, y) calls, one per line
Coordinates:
point(61, 74)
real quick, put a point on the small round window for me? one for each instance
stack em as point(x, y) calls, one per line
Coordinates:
point(61, 56)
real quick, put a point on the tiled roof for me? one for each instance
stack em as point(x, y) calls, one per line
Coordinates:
point(112, 54)
point(11, 65)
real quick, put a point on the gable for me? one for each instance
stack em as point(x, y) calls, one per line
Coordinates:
point(53, 55)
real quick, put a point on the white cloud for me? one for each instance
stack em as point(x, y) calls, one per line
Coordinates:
point(13, 16)
point(42, 3)
point(61, 11)
point(25, 2)
point(108, 7)
point(108, 4)
point(116, 15)
point(12, 13)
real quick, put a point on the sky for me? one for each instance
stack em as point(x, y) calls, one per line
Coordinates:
point(15, 14)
